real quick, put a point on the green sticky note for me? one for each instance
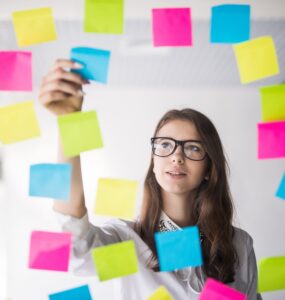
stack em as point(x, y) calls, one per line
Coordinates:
point(115, 260)
point(271, 274)
point(116, 197)
point(104, 16)
point(160, 293)
point(18, 122)
point(79, 132)
point(273, 102)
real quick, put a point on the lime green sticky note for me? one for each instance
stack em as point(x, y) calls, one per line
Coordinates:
point(160, 294)
point(256, 59)
point(116, 197)
point(273, 102)
point(104, 16)
point(271, 274)
point(115, 260)
point(34, 26)
point(18, 122)
point(79, 132)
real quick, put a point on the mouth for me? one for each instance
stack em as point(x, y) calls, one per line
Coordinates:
point(176, 174)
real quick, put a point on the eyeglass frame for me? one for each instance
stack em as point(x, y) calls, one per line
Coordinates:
point(177, 143)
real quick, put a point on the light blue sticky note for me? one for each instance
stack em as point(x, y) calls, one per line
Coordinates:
point(178, 249)
point(281, 189)
point(50, 180)
point(81, 293)
point(95, 62)
point(230, 23)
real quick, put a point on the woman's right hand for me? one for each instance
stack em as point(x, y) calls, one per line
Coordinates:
point(61, 90)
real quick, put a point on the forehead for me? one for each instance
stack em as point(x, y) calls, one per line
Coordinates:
point(179, 130)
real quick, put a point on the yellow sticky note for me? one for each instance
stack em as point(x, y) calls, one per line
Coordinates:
point(34, 26)
point(273, 102)
point(160, 294)
point(116, 197)
point(256, 59)
point(115, 260)
point(79, 132)
point(18, 122)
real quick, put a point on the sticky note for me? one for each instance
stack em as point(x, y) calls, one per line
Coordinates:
point(95, 62)
point(230, 23)
point(171, 27)
point(15, 71)
point(82, 293)
point(160, 294)
point(104, 16)
point(116, 197)
point(215, 290)
point(178, 249)
point(271, 140)
point(271, 274)
point(273, 102)
point(281, 189)
point(50, 180)
point(115, 260)
point(79, 132)
point(18, 122)
point(34, 26)
point(49, 250)
point(256, 59)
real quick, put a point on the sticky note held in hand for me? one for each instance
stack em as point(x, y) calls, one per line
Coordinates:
point(82, 293)
point(115, 260)
point(15, 71)
point(116, 197)
point(34, 26)
point(79, 132)
point(18, 122)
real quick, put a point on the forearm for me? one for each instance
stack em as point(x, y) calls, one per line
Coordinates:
point(75, 206)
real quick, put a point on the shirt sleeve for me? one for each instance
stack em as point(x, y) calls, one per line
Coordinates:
point(86, 236)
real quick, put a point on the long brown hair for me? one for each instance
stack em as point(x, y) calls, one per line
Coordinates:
point(212, 209)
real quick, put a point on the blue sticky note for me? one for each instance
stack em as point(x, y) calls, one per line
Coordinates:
point(281, 189)
point(81, 293)
point(95, 62)
point(50, 180)
point(178, 249)
point(230, 23)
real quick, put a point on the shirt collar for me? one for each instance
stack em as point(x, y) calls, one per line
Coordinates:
point(166, 224)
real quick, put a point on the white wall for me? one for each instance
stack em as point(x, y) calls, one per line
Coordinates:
point(127, 118)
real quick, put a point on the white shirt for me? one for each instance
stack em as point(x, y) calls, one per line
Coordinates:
point(182, 284)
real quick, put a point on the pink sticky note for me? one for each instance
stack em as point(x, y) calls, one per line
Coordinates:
point(171, 27)
point(15, 71)
point(271, 140)
point(49, 250)
point(215, 290)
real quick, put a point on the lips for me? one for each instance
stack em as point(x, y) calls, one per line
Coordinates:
point(176, 173)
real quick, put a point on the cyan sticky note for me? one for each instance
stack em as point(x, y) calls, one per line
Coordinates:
point(230, 23)
point(15, 71)
point(82, 293)
point(172, 27)
point(50, 250)
point(281, 189)
point(50, 180)
point(178, 249)
point(95, 62)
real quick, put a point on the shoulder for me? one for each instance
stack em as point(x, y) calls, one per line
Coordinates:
point(240, 236)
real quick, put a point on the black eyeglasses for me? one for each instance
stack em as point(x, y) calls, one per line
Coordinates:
point(165, 146)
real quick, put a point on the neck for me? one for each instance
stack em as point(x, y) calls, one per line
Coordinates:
point(176, 207)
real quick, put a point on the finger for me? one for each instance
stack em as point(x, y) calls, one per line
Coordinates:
point(61, 74)
point(55, 96)
point(62, 86)
point(66, 63)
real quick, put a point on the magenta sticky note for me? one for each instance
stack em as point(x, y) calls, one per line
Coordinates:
point(271, 140)
point(215, 290)
point(171, 27)
point(49, 250)
point(15, 71)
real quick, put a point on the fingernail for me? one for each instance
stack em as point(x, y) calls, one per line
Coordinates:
point(80, 93)
point(78, 66)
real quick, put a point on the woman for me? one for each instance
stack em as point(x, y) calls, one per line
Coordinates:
point(186, 184)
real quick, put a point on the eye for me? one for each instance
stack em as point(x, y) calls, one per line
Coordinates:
point(193, 148)
point(165, 145)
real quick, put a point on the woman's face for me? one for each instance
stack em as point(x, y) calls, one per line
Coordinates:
point(177, 174)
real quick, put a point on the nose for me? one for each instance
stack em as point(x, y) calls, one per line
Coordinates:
point(178, 156)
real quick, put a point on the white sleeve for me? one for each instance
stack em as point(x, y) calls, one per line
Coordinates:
point(86, 236)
